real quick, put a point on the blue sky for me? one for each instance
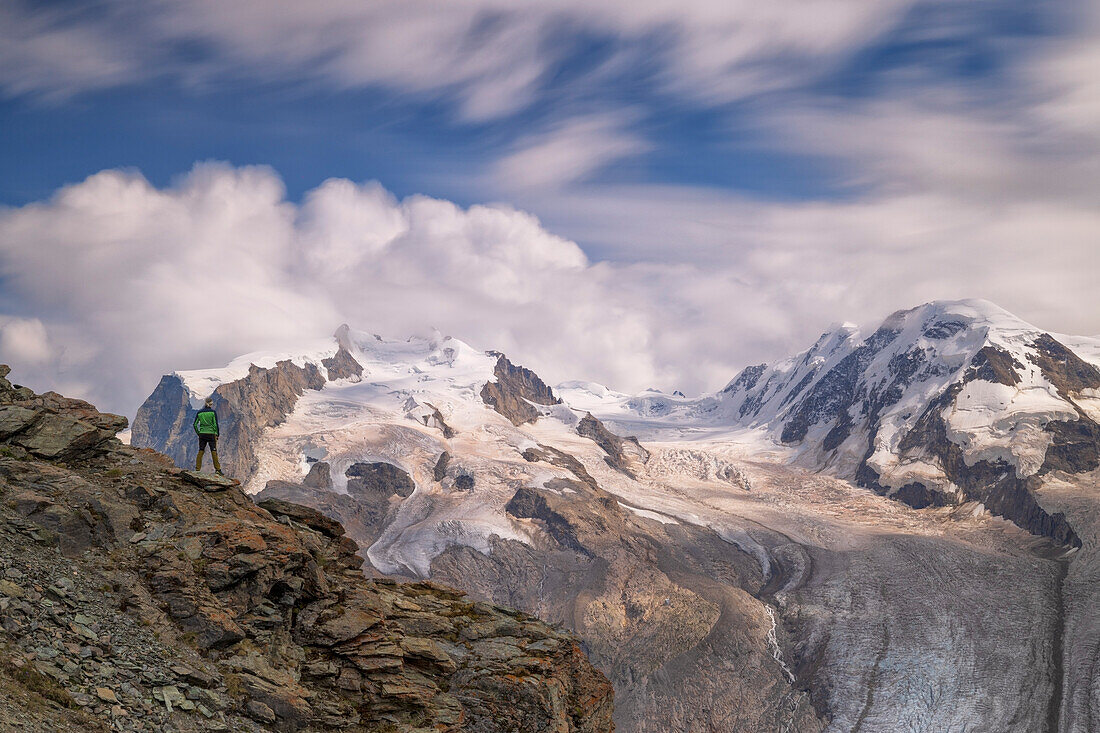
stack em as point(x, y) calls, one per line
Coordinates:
point(724, 168)
point(310, 129)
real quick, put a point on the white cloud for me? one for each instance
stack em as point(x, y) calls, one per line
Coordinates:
point(24, 340)
point(769, 276)
point(50, 52)
point(489, 54)
point(125, 276)
point(568, 152)
point(957, 192)
point(129, 281)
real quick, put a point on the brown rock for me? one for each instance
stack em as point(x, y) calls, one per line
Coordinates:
point(514, 391)
point(56, 436)
point(15, 419)
point(261, 618)
point(349, 624)
point(209, 481)
point(259, 712)
point(106, 694)
point(343, 366)
point(304, 515)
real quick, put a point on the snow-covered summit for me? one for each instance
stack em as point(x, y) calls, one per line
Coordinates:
point(853, 392)
point(436, 355)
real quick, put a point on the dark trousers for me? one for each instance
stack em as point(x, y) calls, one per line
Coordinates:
point(212, 441)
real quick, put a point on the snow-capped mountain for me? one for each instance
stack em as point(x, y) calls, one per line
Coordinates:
point(761, 527)
point(1001, 390)
point(944, 403)
point(357, 399)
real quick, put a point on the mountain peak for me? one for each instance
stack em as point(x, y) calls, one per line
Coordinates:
point(949, 401)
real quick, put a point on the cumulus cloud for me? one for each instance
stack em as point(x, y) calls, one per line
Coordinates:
point(24, 341)
point(123, 275)
point(132, 281)
point(116, 281)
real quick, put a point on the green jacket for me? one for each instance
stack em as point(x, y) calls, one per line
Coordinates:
point(206, 422)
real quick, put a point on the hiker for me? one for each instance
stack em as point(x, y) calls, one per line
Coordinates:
point(206, 427)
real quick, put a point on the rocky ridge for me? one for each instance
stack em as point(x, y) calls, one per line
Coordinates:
point(137, 596)
point(514, 391)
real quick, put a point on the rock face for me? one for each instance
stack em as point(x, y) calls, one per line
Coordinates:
point(245, 408)
point(621, 453)
point(50, 426)
point(164, 422)
point(343, 366)
point(378, 480)
point(135, 596)
point(363, 520)
point(514, 390)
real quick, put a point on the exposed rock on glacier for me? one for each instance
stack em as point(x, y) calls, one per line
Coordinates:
point(343, 366)
point(622, 453)
point(514, 390)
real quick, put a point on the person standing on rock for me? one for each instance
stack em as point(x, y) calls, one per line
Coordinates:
point(206, 427)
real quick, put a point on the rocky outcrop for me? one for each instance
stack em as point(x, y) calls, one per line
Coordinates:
point(746, 379)
point(343, 365)
point(438, 421)
point(378, 480)
point(135, 596)
point(164, 422)
point(833, 395)
point(50, 426)
point(1064, 369)
point(995, 484)
point(245, 407)
point(623, 454)
point(363, 521)
point(1075, 445)
point(531, 504)
point(514, 391)
point(319, 476)
point(439, 470)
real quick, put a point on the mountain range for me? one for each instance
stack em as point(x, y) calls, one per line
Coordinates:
point(894, 530)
